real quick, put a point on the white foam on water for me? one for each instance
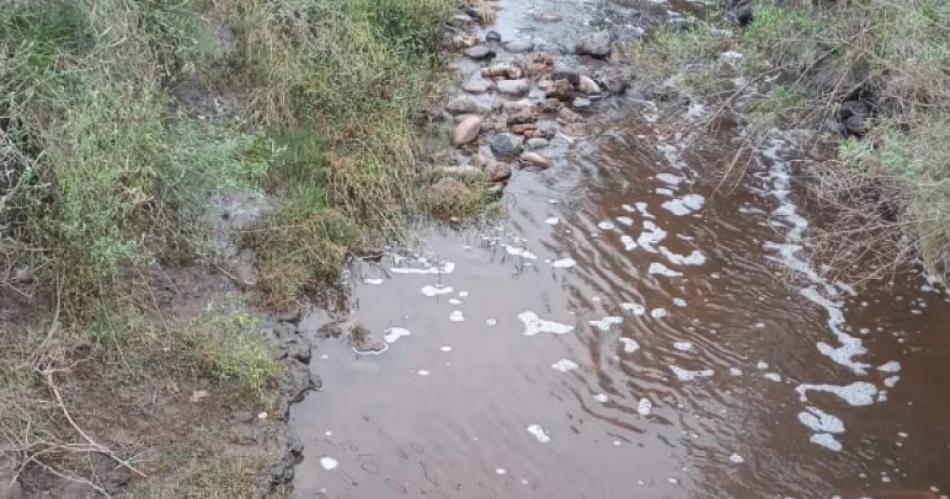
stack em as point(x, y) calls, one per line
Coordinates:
point(602, 398)
point(890, 381)
point(659, 313)
point(822, 293)
point(820, 421)
point(651, 236)
point(736, 458)
point(630, 345)
point(735, 371)
point(683, 346)
point(552, 220)
point(605, 323)
point(859, 393)
point(644, 407)
point(534, 325)
point(373, 281)
point(827, 441)
point(642, 209)
point(445, 268)
point(685, 205)
point(629, 244)
point(633, 308)
point(394, 333)
point(625, 220)
point(430, 290)
point(690, 375)
point(669, 178)
point(523, 253)
point(328, 463)
point(776, 377)
point(564, 365)
point(695, 257)
point(850, 346)
point(422, 372)
point(539, 433)
point(457, 316)
point(658, 268)
point(564, 263)
point(890, 367)
point(672, 155)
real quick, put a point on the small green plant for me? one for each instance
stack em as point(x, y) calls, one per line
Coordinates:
point(227, 346)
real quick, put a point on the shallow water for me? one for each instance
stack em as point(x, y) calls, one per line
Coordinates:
point(624, 332)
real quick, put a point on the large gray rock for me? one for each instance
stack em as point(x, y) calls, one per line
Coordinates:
point(477, 86)
point(536, 160)
point(465, 105)
point(519, 46)
point(467, 130)
point(497, 171)
point(612, 79)
point(513, 87)
point(595, 45)
point(537, 143)
point(480, 52)
point(587, 85)
point(506, 144)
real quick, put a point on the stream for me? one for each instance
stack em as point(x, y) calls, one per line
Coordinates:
point(628, 330)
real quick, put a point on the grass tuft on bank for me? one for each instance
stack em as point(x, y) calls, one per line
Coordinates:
point(884, 60)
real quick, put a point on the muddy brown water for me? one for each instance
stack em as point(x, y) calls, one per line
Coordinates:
point(623, 332)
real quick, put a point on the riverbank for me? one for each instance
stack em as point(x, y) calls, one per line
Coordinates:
point(860, 85)
point(174, 180)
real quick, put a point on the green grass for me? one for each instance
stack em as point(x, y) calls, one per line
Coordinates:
point(345, 110)
point(104, 180)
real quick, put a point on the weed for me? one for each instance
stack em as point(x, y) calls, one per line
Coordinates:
point(228, 347)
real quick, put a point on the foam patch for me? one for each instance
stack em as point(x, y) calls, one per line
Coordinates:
point(539, 433)
point(689, 375)
point(534, 325)
point(430, 290)
point(630, 345)
point(605, 323)
point(394, 333)
point(657, 268)
point(564, 365)
point(445, 268)
point(859, 393)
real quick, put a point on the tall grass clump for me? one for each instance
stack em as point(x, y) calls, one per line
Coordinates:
point(355, 74)
point(101, 179)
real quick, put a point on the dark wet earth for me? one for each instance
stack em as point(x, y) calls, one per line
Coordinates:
point(624, 331)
